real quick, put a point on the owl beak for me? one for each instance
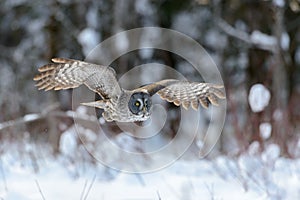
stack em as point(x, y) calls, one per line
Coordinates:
point(144, 109)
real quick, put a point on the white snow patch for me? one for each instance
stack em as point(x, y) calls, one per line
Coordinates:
point(187, 23)
point(88, 136)
point(200, 144)
point(146, 53)
point(241, 25)
point(259, 97)
point(149, 37)
point(265, 130)
point(254, 148)
point(126, 141)
point(30, 117)
point(143, 7)
point(68, 142)
point(82, 110)
point(89, 39)
point(223, 178)
point(121, 42)
point(215, 39)
point(260, 38)
point(271, 153)
point(92, 17)
point(277, 115)
point(285, 41)
point(279, 3)
point(102, 120)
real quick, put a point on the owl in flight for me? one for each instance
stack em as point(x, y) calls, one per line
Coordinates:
point(119, 104)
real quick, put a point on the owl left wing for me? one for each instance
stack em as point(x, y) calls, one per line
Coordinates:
point(65, 73)
point(186, 93)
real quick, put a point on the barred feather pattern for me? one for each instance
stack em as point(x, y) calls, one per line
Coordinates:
point(117, 102)
point(192, 94)
point(66, 73)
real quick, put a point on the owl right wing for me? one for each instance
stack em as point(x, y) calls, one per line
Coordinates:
point(186, 93)
point(67, 73)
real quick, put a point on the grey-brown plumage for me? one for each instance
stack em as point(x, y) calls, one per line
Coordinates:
point(120, 104)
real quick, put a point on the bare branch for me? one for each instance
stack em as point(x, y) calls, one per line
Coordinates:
point(90, 187)
point(158, 195)
point(84, 188)
point(40, 190)
point(256, 38)
point(230, 30)
point(37, 116)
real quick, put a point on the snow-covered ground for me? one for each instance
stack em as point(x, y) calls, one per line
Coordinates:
point(29, 170)
point(251, 176)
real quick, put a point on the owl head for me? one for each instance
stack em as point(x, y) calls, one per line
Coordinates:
point(139, 104)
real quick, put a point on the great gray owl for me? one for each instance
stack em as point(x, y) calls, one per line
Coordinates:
point(120, 104)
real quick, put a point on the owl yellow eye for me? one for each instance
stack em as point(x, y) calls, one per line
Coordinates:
point(137, 104)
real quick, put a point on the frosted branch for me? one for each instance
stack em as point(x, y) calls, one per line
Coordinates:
point(256, 38)
point(37, 116)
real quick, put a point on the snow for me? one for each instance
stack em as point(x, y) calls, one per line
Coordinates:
point(285, 41)
point(277, 115)
point(254, 148)
point(68, 142)
point(102, 120)
point(265, 176)
point(121, 42)
point(31, 117)
point(143, 7)
point(81, 110)
point(279, 3)
point(260, 38)
point(265, 130)
point(271, 153)
point(188, 23)
point(259, 97)
point(146, 53)
point(92, 17)
point(89, 39)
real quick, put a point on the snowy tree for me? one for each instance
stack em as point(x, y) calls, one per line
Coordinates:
point(255, 45)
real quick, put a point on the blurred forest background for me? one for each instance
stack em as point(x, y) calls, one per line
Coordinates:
point(250, 41)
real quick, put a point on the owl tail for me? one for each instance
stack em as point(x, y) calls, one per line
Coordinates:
point(98, 104)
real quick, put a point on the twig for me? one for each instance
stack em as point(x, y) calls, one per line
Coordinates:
point(140, 178)
point(158, 195)
point(37, 116)
point(230, 30)
point(3, 176)
point(210, 190)
point(84, 188)
point(245, 37)
point(40, 190)
point(90, 187)
point(28, 118)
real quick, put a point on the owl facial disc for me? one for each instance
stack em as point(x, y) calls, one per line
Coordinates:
point(140, 103)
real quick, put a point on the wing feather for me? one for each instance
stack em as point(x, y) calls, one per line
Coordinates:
point(187, 94)
point(67, 73)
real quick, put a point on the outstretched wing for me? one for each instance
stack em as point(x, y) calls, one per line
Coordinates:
point(66, 73)
point(186, 93)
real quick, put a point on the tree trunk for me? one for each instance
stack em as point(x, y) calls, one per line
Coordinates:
point(279, 86)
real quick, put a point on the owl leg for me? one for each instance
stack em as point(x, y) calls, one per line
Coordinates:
point(98, 104)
